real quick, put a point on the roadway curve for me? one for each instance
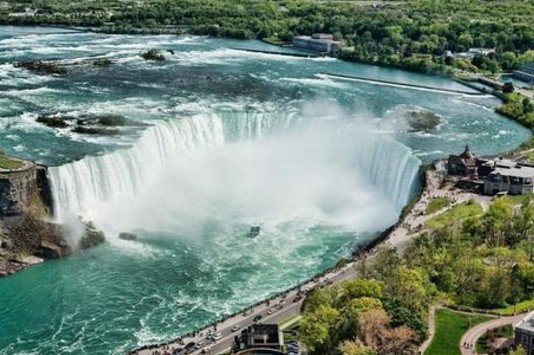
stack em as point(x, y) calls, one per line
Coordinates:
point(473, 334)
point(397, 239)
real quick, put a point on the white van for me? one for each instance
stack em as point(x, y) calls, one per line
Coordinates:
point(200, 344)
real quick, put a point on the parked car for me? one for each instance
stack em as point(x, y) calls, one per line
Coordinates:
point(257, 318)
point(217, 336)
point(236, 327)
point(270, 311)
point(206, 350)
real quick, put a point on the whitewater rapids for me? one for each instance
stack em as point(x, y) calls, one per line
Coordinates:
point(242, 167)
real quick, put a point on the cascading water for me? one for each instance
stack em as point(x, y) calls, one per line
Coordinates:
point(80, 188)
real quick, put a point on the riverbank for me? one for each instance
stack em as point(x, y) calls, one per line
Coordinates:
point(219, 286)
point(397, 236)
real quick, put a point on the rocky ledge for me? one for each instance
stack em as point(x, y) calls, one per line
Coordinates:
point(420, 119)
point(92, 124)
point(61, 67)
point(42, 67)
point(27, 236)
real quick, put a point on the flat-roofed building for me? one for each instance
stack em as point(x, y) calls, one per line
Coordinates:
point(482, 51)
point(525, 73)
point(524, 333)
point(262, 338)
point(510, 177)
point(318, 42)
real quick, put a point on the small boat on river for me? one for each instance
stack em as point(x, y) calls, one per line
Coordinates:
point(254, 231)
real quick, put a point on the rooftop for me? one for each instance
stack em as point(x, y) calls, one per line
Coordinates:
point(517, 171)
point(264, 334)
point(527, 323)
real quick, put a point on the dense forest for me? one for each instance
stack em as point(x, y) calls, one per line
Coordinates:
point(481, 260)
point(411, 34)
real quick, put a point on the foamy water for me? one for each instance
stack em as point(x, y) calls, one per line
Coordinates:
point(233, 139)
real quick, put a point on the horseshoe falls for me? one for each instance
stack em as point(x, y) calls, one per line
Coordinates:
point(84, 187)
point(228, 139)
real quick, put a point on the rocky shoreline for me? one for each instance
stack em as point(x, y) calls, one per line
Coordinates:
point(27, 235)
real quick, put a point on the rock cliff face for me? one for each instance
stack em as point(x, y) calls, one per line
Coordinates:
point(25, 192)
point(25, 204)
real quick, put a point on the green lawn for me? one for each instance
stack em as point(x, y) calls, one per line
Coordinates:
point(450, 327)
point(518, 308)
point(437, 204)
point(458, 212)
point(8, 163)
point(517, 199)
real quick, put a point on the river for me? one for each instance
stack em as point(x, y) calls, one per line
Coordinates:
point(232, 139)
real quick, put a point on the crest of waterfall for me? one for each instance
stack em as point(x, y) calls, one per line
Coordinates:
point(80, 187)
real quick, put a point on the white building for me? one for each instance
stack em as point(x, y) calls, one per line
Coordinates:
point(318, 42)
point(508, 176)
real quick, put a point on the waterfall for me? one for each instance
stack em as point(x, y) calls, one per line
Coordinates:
point(391, 167)
point(80, 187)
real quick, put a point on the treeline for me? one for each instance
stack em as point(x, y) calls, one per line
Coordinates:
point(519, 108)
point(485, 261)
point(412, 34)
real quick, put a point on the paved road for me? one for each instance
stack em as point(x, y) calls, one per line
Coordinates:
point(473, 334)
point(397, 239)
point(277, 315)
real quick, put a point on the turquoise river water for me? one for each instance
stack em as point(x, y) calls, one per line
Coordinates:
point(233, 139)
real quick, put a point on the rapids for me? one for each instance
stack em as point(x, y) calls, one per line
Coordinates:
point(232, 138)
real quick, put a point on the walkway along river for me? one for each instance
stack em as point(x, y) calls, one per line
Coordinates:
point(396, 236)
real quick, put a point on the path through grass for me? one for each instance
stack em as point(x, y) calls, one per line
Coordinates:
point(450, 327)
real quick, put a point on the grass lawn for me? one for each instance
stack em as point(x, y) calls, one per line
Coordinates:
point(437, 204)
point(520, 307)
point(8, 163)
point(450, 327)
point(517, 199)
point(458, 212)
point(290, 321)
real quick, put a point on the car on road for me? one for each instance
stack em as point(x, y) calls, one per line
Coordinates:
point(217, 336)
point(206, 350)
point(270, 311)
point(257, 318)
point(236, 327)
point(200, 344)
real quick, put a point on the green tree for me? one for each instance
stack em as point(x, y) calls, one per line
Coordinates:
point(495, 223)
point(316, 329)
